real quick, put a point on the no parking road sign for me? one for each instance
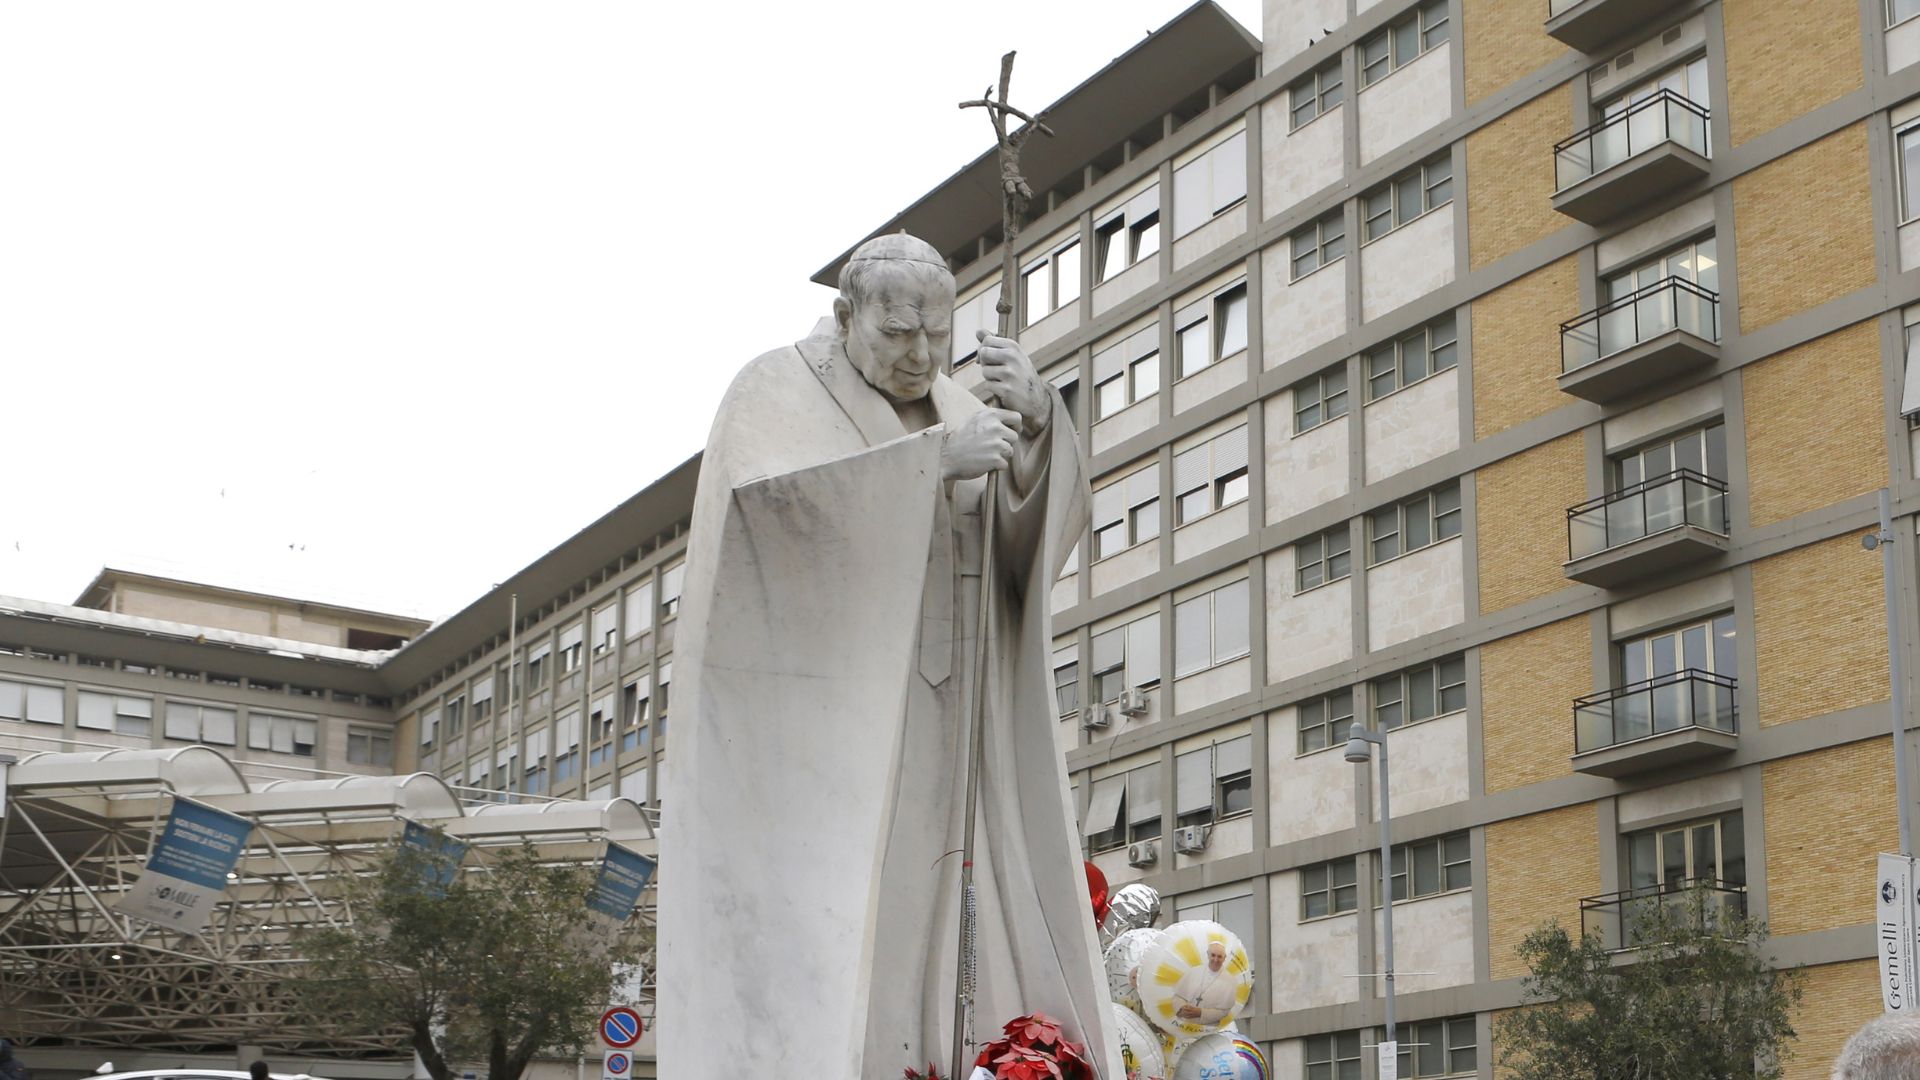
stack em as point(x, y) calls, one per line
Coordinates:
point(620, 1028)
point(619, 1066)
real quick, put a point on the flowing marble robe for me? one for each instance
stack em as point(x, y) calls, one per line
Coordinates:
point(810, 867)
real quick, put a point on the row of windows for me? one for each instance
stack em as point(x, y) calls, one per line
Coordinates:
point(1428, 1048)
point(1421, 868)
point(132, 667)
point(1210, 783)
point(1427, 186)
point(1387, 367)
point(1207, 332)
point(182, 721)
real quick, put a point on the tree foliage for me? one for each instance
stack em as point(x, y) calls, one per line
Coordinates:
point(1692, 999)
point(494, 965)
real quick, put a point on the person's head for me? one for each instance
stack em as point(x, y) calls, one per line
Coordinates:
point(1886, 1048)
point(1216, 955)
point(895, 314)
point(257, 1070)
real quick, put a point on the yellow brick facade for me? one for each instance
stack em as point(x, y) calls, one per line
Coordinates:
point(1812, 418)
point(1527, 685)
point(1503, 41)
point(1538, 868)
point(1516, 347)
point(1787, 59)
point(1521, 513)
point(1510, 179)
point(1828, 814)
point(1819, 631)
point(1795, 252)
point(1835, 1000)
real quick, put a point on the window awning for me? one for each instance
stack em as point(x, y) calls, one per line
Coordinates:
point(1103, 812)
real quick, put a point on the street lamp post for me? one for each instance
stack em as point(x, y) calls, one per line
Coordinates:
point(1359, 752)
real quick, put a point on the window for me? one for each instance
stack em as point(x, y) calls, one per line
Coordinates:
point(1211, 629)
point(1235, 913)
point(671, 583)
point(1068, 383)
point(566, 746)
point(482, 700)
point(1126, 512)
point(1396, 46)
point(1425, 519)
point(1066, 679)
point(281, 734)
point(116, 713)
point(1315, 93)
point(1672, 857)
point(1211, 476)
point(1432, 1048)
point(639, 601)
point(188, 722)
point(376, 748)
point(1899, 11)
point(600, 725)
point(633, 785)
point(32, 702)
point(1320, 398)
point(1427, 350)
point(1420, 693)
point(1214, 782)
point(537, 665)
point(571, 646)
point(1407, 196)
point(663, 684)
point(1049, 283)
point(1213, 182)
point(1442, 864)
point(455, 716)
point(1326, 721)
point(1333, 1057)
point(1318, 244)
point(1321, 559)
point(1126, 658)
point(1127, 235)
point(1124, 808)
point(1328, 888)
point(1702, 450)
point(1670, 699)
point(1126, 372)
point(636, 708)
point(979, 313)
point(606, 631)
point(1211, 330)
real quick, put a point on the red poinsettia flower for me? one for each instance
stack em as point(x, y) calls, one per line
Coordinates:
point(1034, 1029)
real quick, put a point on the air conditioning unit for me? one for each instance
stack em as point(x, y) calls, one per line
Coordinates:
point(1097, 716)
point(1143, 853)
point(1133, 703)
point(1189, 839)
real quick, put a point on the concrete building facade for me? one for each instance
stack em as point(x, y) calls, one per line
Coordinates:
point(1515, 377)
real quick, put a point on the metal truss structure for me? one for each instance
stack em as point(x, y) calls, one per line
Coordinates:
point(77, 830)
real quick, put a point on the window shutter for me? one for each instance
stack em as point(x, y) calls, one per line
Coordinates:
point(571, 636)
point(633, 786)
point(540, 651)
point(1109, 362)
point(217, 726)
point(483, 690)
point(1109, 650)
point(1192, 191)
point(45, 704)
point(1103, 813)
point(1193, 781)
point(1143, 795)
point(96, 711)
point(566, 732)
point(1109, 505)
point(12, 700)
point(1189, 470)
point(1065, 656)
point(429, 726)
point(1192, 631)
point(1143, 651)
point(1230, 452)
point(1144, 343)
point(1147, 202)
point(1234, 756)
point(500, 759)
point(672, 582)
point(1144, 486)
point(1229, 179)
point(1232, 624)
point(183, 721)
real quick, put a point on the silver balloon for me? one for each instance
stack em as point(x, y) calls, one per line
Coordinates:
point(1219, 1056)
point(1133, 907)
point(1122, 957)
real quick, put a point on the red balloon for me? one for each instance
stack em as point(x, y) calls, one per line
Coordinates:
point(1097, 888)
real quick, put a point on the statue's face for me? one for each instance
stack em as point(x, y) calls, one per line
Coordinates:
point(899, 335)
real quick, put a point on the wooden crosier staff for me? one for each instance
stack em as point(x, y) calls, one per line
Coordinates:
point(1015, 196)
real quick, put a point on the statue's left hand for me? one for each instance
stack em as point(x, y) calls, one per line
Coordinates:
point(1010, 377)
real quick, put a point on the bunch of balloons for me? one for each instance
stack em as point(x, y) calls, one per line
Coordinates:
point(1176, 991)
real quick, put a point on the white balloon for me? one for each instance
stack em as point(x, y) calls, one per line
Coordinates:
point(1195, 979)
point(1222, 1055)
point(1142, 1049)
point(1123, 956)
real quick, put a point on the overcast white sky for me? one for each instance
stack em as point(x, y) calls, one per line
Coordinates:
point(376, 303)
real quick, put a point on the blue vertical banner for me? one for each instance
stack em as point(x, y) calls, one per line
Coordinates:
point(623, 877)
point(187, 869)
point(442, 856)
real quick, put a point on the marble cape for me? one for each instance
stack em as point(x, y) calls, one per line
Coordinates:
point(812, 817)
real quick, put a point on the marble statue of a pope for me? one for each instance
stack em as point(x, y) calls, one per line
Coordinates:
point(810, 907)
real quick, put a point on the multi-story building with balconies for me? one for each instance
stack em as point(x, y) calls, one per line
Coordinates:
point(1514, 378)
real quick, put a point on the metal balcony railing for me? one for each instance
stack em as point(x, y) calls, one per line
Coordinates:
point(1672, 303)
point(1681, 497)
point(1641, 710)
point(1620, 919)
point(1662, 117)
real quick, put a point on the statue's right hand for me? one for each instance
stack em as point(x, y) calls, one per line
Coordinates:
point(980, 444)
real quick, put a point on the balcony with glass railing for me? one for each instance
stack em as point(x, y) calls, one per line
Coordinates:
point(1626, 919)
point(1670, 719)
point(1638, 340)
point(1587, 25)
point(1651, 149)
point(1647, 529)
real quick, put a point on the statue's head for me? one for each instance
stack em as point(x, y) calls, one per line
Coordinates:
point(895, 314)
